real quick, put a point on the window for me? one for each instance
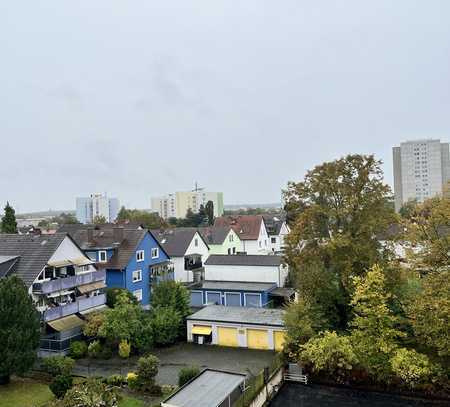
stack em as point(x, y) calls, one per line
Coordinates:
point(48, 272)
point(196, 242)
point(102, 258)
point(138, 294)
point(155, 253)
point(273, 239)
point(137, 276)
point(234, 250)
point(260, 244)
point(230, 238)
point(140, 255)
point(229, 251)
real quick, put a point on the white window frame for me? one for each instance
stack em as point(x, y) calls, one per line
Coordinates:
point(138, 253)
point(232, 293)
point(139, 274)
point(213, 292)
point(155, 250)
point(100, 253)
point(137, 294)
point(260, 299)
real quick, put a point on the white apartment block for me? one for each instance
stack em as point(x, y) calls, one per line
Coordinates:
point(177, 204)
point(421, 170)
point(88, 208)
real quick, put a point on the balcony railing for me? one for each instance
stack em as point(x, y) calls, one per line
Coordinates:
point(66, 283)
point(82, 304)
point(58, 345)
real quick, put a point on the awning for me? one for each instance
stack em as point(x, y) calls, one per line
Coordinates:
point(201, 330)
point(86, 288)
point(66, 323)
point(79, 261)
point(60, 263)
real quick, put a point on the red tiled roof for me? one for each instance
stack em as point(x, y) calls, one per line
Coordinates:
point(246, 226)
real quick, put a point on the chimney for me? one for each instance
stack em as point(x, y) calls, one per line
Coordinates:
point(90, 235)
point(118, 234)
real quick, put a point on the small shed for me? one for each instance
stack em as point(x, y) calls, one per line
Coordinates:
point(254, 328)
point(211, 388)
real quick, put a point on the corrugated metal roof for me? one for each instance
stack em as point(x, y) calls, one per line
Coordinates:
point(208, 389)
point(239, 315)
point(243, 260)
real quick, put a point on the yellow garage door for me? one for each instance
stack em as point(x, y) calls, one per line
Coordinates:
point(279, 337)
point(257, 339)
point(227, 336)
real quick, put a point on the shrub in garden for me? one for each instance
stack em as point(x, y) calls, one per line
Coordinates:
point(92, 393)
point(58, 365)
point(132, 381)
point(412, 367)
point(95, 349)
point(116, 380)
point(113, 293)
point(94, 322)
point(60, 385)
point(78, 349)
point(166, 322)
point(124, 349)
point(147, 369)
point(186, 374)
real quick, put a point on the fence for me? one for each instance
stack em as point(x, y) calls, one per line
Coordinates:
point(255, 384)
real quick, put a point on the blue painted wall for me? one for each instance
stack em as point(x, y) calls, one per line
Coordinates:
point(264, 295)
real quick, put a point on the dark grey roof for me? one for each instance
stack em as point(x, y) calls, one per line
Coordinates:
point(274, 222)
point(209, 389)
point(175, 241)
point(6, 264)
point(234, 286)
point(103, 237)
point(285, 292)
point(243, 260)
point(240, 315)
point(34, 251)
point(214, 234)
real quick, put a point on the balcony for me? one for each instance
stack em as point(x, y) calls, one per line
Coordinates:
point(66, 283)
point(82, 304)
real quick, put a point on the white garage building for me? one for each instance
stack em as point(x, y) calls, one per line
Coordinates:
point(246, 268)
point(254, 328)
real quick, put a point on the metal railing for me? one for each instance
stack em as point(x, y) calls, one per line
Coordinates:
point(81, 304)
point(58, 345)
point(66, 283)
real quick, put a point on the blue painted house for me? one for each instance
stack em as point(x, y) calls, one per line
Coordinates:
point(232, 293)
point(132, 257)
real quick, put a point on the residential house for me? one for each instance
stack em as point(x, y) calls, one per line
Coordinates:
point(62, 281)
point(187, 250)
point(277, 229)
point(254, 328)
point(246, 268)
point(132, 258)
point(221, 240)
point(251, 230)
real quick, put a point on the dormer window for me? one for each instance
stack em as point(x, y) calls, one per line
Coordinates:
point(140, 255)
point(102, 257)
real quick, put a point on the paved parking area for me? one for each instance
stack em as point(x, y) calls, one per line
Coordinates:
point(176, 357)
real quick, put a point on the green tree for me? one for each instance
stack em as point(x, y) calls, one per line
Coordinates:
point(99, 220)
point(166, 323)
point(331, 354)
point(65, 219)
point(148, 220)
point(337, 213)
point(407, 210)
point(19, 328)
point(429, 312)
point(209, 210)
point(172, 294)
point(9, 224)
point(412, 367)
point(113, 293)
point(374, 335)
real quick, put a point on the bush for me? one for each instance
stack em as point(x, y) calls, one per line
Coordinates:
point(94, 322)
point(116, 380)
point(166, 323)
point(60, 385)
point(58, 365)
point(95, 349)
point(78, 349)
point(331, 354)
point(166, 389)
point(124, 349)
point(412, 367)
point(132, 381)
point(147, 368)
point(113, 293)
point(186, 374)
point(92, 393)
point(106, 352)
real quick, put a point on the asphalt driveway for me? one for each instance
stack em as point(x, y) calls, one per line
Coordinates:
point(176, 357)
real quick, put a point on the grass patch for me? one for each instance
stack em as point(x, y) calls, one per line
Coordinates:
point(130, 402)
point(24, 393)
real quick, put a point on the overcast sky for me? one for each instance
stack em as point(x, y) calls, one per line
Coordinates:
point(141, 98)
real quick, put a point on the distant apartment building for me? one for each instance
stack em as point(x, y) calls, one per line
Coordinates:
point(421, 170)
point(176, 205)
point(88, 208)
